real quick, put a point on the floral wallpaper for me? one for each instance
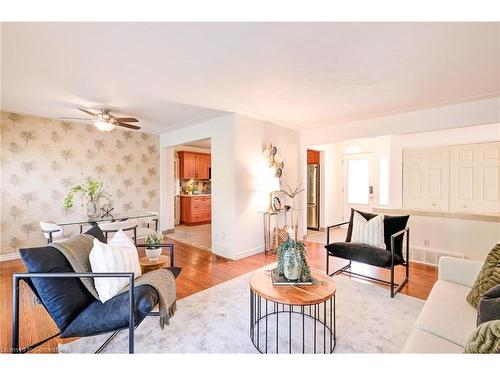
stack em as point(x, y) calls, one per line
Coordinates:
point(42, 159)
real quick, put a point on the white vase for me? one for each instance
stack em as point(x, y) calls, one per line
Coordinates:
point(291, 265)
point(153, 253)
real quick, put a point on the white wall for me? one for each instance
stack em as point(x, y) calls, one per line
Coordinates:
point(251, 138)
point(479, 112)
point(221, 130)
point(237, 145)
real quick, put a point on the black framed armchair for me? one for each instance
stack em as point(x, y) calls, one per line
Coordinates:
point(76, 312)
point(395, 233)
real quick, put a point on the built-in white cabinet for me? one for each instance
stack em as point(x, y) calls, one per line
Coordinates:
point(426, 179)
point(462, 179)
point(475, 178)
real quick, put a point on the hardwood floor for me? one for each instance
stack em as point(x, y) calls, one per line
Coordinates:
point(200, 270)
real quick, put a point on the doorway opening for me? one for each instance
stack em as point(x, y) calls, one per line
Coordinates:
point(193, 194)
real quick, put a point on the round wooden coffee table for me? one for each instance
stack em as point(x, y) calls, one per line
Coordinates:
point(151, 265)
point(295, 319)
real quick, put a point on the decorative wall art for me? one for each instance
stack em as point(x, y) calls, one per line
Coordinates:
point(274, 159)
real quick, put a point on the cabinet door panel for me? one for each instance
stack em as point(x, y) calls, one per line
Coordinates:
point(463, 183)
point(413, 179)
point(488, 178)
point(426, 179)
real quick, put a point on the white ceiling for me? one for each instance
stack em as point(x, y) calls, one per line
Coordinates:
point(298, 74)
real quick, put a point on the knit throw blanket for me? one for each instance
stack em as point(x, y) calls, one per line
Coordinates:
point(77, 249)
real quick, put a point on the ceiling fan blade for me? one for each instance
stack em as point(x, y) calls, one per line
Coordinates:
point(129, 126)
point(87, 111)
point(126, 119)
point(74, 118)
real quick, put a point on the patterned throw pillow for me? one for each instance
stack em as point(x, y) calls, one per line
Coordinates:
point(485, 339)
point(368, 232)
point(488, 277)
point(119, 255)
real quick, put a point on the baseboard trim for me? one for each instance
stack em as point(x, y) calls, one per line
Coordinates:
point(249, 252)
point(11, 256)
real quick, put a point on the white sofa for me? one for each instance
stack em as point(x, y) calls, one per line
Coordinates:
point(447, 319)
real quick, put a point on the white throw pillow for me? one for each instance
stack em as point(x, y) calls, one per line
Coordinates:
point(119, 255)
point(368, 232)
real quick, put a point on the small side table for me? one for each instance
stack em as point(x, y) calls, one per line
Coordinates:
point(151, 265)
point(148, 266)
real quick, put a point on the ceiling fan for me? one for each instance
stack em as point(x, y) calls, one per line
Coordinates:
point(105, 121)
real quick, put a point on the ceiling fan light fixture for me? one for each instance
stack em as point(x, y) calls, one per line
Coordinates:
point(104, 126)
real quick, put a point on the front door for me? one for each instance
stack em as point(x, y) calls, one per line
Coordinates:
point(358, 183)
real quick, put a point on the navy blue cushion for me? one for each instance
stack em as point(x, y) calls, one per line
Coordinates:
point(64, 299)
point(113, 314)
point(358, 252)
point(392, 225)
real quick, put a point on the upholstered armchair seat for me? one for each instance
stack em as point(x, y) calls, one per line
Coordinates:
point(90, 321)
point(366, 254)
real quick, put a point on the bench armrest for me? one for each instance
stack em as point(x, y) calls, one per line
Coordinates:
point(459, 271)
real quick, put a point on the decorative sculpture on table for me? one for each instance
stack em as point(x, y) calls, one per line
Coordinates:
point(292, 193)
point(92, 191)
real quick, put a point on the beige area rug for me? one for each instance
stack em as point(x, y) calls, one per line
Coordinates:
point(216, 320)
point(195, 235)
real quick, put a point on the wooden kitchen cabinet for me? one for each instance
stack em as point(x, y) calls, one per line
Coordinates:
point(196, 210)
point(194, 165)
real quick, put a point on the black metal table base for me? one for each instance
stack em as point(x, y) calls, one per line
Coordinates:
point(283, 328)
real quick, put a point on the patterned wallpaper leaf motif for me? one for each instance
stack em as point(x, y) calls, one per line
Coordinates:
point(89, 154)
point(27, 228)
point(41, 159)
point(27, 167)
point(27, 198)
point(15, 243)
point(99, 144)
point(66, 126)
point(127, 159)
point(100, 170)
point(55, 166)
point(14, 180)
point(14, 148)
point(119, 169)
point(128, 183)
point(67, 154)
point(28, 136)
point(55, 137)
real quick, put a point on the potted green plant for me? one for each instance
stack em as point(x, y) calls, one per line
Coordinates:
point(92, 191)
point(292, 261)
point(153, 252)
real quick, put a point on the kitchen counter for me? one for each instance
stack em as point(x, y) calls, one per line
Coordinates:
point(195, 195)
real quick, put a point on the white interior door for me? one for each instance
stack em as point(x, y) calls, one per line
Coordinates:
point(358, 189)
